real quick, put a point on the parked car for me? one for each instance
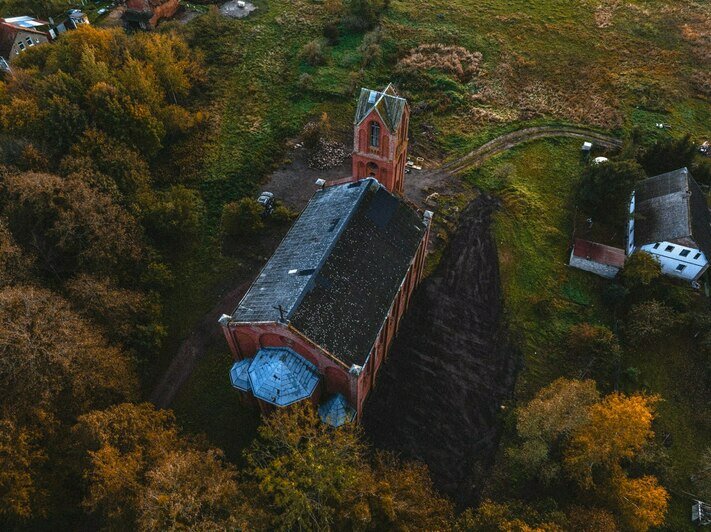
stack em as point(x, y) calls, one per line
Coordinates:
point(101, 11)
point(241, 4)
point(266, 200)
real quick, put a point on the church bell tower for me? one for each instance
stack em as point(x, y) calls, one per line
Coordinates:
point(380, 138)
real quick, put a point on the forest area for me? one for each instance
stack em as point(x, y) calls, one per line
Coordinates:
point(129, 164)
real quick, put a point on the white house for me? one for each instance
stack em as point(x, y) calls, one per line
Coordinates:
point(669, 219)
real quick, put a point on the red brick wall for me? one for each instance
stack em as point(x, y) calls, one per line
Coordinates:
point(246, 339)
point(389, 157)
point(368, 377)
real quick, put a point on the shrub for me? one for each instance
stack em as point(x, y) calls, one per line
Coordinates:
point(242, 218)
point(595, 346)
point(330, 31)
point(649, 321)
point(641, 269)
point(668, 154)
point(605, 190)
point(454, 60)
point(306, 82)
point(312, 53)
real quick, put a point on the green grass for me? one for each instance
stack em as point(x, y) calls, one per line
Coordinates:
point(207, 404)
point(544, 297)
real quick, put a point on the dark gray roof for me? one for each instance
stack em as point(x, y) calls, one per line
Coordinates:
point(388, 104)
point(353, 245)
point(284, 279)
point(354, 290)
point(669, 207)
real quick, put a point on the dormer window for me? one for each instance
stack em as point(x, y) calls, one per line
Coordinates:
point(374, 134)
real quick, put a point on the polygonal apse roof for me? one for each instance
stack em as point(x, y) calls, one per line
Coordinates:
point(280, 376)
point(336, 411)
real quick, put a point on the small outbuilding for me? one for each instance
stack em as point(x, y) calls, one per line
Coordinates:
point(602, 260)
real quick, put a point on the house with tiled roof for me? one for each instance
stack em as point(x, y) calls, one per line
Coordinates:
point(319, 319)
point(18, 34)
point(669, 219)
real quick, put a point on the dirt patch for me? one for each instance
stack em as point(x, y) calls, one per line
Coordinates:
point(438, 395)
point(293, 183)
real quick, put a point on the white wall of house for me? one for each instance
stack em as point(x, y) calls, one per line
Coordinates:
point(630, 228)
point(678, 261)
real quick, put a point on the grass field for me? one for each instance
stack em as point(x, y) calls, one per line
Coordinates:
point(610, 65)
point(544, 297)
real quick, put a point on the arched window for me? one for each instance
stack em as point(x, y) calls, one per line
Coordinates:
point(374, 134)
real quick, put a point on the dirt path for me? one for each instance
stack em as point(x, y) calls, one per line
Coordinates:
point(293, 184)
point(419, 184)
point(438, 395)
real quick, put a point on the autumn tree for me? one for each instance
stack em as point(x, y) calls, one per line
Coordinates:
point(52, 362)
point(20, 458)
point(605, 191)
point(648, 321)
point(140, 473)
point(69, 226)
point(642, 502)
point(511, 516)
point(546, 422)
point(309, 476)
point(195, 490)
point(615, 430)
point(595, 347)
point(130, 317)
point(15, 263)
point(117, 447)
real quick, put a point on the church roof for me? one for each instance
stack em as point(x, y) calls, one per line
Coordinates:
point(336, 411)
point(280, 376)
point(338, 269)
point(387, 103)
point(669, 207)
point(239, 375)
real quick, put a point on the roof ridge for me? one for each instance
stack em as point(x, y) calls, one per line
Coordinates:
point(333, 243)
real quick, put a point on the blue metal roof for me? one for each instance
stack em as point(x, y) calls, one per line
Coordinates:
point(336, 411)
point(239, 375)
point(280, 376)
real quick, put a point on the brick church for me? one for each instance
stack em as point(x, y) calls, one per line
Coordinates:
point(318, 321)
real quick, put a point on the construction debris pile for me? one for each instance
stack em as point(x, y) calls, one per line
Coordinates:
point(328, 154)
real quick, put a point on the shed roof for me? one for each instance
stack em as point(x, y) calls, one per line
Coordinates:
point(338, 269)
point(336, 411)
point(599, 253)
point(239, 375)
point(387, 103)
point(280, 376)
point(669, 207)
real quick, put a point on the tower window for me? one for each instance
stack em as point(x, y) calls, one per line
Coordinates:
point(681, 268)
point(374, 134)
point(684, 252)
